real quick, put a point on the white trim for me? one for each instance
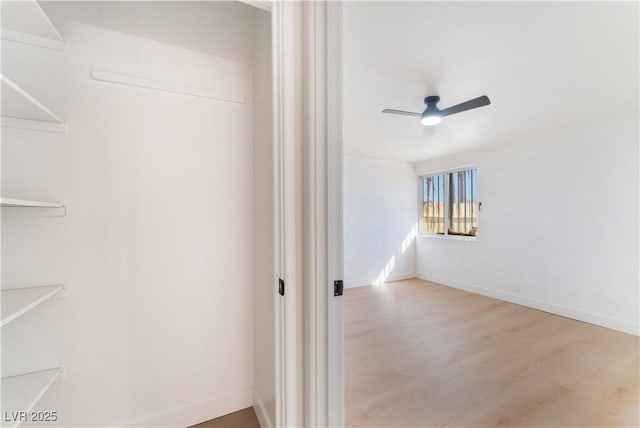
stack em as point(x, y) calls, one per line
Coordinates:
point(32, 40)
point(315, 200)
point(277, 83)
point(446, 170)
point(308, 140)
point(450, 237)
point(363, 282)
point(195, 413)
point(358, 282)
point(322, 201)
point(286, 20)
point(335, 160)
point(34, 125)
point(141, 82)
point(447, 202)
point(261, 412)
point(554, 308)
point(420, 204)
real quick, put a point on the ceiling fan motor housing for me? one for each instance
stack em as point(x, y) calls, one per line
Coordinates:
point(433, 99)
point(432, 109)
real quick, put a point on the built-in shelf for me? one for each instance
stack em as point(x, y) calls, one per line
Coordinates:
point(36, 125)
point(25, 22)
point(260, 4)
point(21, 393)
point(18, 301)
point(25, 203)
point(18, 103)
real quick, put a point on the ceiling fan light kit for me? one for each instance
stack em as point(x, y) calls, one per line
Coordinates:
point(432, 115)
point(431, 120)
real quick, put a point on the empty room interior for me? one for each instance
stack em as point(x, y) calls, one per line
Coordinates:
point(319, 214)
point(491, 258)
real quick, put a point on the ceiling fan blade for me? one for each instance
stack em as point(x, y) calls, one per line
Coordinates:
point(467, 105)
point(402, 112)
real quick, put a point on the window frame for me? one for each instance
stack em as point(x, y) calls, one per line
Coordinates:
point(444, 172)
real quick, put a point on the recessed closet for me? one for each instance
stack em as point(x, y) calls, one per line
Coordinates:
point(137, 219)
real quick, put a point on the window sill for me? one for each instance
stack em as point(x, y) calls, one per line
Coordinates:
point(450, 237)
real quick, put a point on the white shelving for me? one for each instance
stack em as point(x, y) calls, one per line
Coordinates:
point(22, 110)
point(19, 104)
point(26, 22)
point(260, 4)
point(22, 392)
point(11, 122)
point(24, 203)
point(18, 301)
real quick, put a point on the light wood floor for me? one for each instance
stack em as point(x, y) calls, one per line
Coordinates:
point(419, 354)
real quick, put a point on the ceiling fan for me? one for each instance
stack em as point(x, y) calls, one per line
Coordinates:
point(432, 115)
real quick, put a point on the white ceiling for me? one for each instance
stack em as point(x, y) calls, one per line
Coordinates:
point(546, 66)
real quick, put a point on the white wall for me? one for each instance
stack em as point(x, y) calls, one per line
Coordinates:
point(156, 251)
point(263, 223)
point(559, 219)
point(380, 213)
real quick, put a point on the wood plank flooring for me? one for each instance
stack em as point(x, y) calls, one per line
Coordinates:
point(245, 418)
point(419, 354)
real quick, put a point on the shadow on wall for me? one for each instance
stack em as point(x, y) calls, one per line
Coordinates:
point(391, 263)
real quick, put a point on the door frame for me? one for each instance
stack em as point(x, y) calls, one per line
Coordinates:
point(288, 218)
point(307, 53)
point(335, 320)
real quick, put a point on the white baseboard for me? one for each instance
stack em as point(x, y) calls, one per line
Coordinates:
point(554, 308)
point(197, 412)
point(360, 282)
point(363, 282)
point(261, 412)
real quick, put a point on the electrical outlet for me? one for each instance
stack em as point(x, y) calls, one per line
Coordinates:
point(515, 287)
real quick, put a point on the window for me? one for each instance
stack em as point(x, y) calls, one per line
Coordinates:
point(450, 203)
point(433, 204)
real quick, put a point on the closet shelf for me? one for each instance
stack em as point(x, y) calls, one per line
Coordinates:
point(260, 4)
point(18, 301)
point(26, 22)
point(36, 125)
point(17, 103)
point(22, 392)
point(24, 203)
